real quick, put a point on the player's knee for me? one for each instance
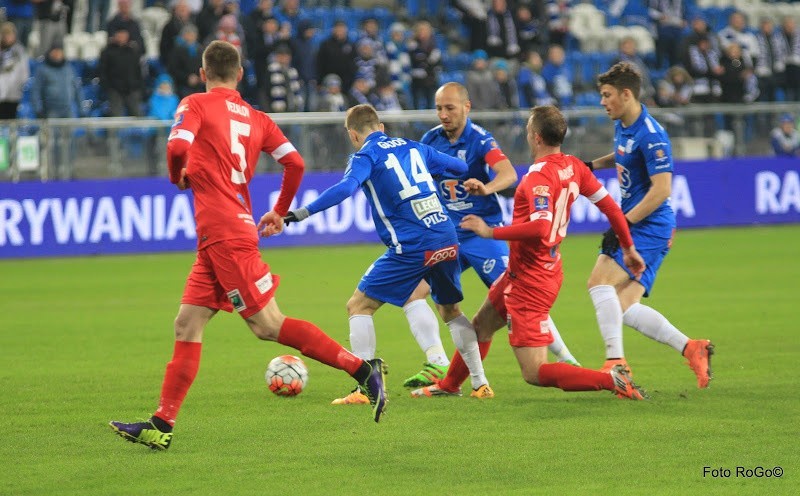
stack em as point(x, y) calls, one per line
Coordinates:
point(185, 329)
point(530, 376)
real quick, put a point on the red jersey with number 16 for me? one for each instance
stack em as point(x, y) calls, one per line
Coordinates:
point(545, 194)
point(226, 136)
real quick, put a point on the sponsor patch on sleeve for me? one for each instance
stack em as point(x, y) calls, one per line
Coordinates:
point(541, 190)
point(541, 203)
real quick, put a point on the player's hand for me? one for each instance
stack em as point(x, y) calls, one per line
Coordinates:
point(610, 243)
point(477, 225)
point(633, 261)
point(270, 223)
point(183, 182)
point(298, 215)
point(476, 187)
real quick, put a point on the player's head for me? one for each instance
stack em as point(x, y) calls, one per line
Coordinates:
point(619, 89)
point(221, 64)
point(546, 128)
point(361, 121)
point(452, 107)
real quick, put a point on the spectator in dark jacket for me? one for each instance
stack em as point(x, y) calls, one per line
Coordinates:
point(208, 18)
point(304, 59)
point(55, 88)
point(501, 31)
point(185, 61)
point(181, 16)
point(284, 92)
point(336, 55)
point(253, 22)
point(124, 20)
point(121, 75)
point(426, 60)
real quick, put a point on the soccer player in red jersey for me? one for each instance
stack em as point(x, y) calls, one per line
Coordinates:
point(523, 295)
point(213, 149)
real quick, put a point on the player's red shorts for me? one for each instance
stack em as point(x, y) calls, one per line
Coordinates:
point(230, 275)
point(525, 305)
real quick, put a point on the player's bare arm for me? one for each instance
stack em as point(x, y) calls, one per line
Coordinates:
point(660, 190)
point(477, 225)
point(604, 162)
point(506, 176)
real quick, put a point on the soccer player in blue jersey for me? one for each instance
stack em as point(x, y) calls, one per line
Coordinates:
point(396, 176)
point(474, 193)
point(643, 159)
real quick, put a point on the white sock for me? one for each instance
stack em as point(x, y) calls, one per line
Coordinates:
point(558, 347)
point(362, 336)
point(655, 326)
point(425, 328)
point(466, 341)
point(609, 317)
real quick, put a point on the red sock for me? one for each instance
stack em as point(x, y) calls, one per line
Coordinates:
point(572, 378)
point(458, 371)
point(309, 340)
point(178, 378)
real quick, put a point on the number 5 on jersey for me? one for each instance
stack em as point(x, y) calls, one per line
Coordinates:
point(237, 149)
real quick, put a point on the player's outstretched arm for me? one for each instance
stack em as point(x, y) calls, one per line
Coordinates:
point(604, 162)
point(477, 225)
point(506, 177)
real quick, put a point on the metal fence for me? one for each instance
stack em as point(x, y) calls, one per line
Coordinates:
point(60, 149)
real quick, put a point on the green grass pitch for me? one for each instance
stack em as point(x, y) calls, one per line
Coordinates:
point(85, 340)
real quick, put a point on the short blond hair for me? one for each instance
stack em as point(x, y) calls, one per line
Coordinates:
point(362, 118)
point(221, 61)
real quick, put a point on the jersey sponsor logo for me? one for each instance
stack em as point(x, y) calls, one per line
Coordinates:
point(236, 300)
point(660, 154)
point(566, 173)
point(488, 265)
point(462, 155)
point(237, 109)
point(541, 203)
point(433, 257)
point(541, 190)
point(650, 146)
point(453, 190)
point(265, 283)
point(423, 207)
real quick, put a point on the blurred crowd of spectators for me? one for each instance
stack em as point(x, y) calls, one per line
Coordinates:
point(514, 54)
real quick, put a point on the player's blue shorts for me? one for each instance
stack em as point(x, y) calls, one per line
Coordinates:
point(392, 277)
point(653, 255)
point(489, 257)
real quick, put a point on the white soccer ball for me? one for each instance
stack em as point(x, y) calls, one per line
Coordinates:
point(286, 375)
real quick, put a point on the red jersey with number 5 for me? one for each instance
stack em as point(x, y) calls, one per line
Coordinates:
point(546, 194)
point(226, 136)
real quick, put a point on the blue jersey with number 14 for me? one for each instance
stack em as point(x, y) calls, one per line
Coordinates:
point(396, 177)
